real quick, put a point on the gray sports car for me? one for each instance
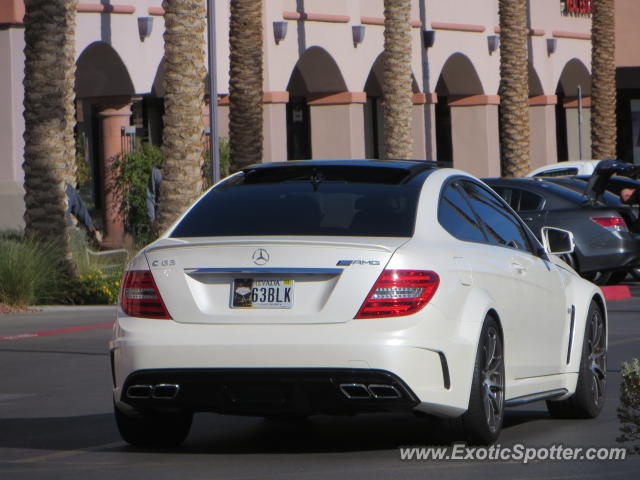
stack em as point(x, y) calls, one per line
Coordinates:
point(606, 233)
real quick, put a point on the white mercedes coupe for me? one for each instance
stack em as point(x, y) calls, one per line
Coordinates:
point(344, 287)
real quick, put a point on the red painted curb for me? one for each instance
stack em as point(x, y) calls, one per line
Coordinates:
point(616, 292)
point(55, 332)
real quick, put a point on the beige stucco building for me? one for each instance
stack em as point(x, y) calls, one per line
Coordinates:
point(322, 92)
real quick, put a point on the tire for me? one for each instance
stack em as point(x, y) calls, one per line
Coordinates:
point(635, 273)
point(153, 429)
point(482, 422)
point(588, 399)
point(599, 278)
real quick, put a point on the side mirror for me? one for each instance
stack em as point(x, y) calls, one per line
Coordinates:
point(557, 241)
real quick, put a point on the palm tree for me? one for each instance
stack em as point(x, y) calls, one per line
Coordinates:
point(49, 114)
point(514, 88)
point(397, 92)
point(182, 145)
point(603, 80)
point(245, 83)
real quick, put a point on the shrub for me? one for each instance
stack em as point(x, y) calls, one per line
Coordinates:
point(30, 271)
point(131, 180)
point(95, 288)
point(83, 171)
point(629, 410)
point(96, 283)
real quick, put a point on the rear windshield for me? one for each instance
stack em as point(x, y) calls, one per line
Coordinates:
point(318, 201)
point(579, 186)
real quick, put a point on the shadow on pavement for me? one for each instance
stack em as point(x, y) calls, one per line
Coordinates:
point(58, 433)
point(213, 433)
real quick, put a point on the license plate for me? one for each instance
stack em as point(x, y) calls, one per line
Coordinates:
point(262, 293)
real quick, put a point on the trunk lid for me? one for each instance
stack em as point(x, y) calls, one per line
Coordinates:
point(303, 280)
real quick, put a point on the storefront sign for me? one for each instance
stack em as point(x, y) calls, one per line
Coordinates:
point(575, 7)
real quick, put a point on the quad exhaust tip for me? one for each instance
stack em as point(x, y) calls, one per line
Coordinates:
point(359, 391)
point(354, 391)
point(386, 392)
point(164, 391)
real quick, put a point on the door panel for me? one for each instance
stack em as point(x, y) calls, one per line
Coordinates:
point(538, 295)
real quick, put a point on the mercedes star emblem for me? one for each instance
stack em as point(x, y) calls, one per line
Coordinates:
point(260, 256)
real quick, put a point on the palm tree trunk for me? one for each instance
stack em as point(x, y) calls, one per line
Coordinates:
point(514, 88)
point(182, 145)
point(49, 114)
point(245, 83)
point(397, 93)
point(603, 80)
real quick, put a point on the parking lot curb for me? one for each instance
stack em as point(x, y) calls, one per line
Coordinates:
point(616, 292)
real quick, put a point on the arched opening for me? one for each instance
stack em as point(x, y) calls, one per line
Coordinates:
point(373, 113)
point(574, 82)
point(535, 85)
point(105, 115)
point(457, 79)
point(100, 76)
point(100, 72)
point(315, 74)
point(542, 138)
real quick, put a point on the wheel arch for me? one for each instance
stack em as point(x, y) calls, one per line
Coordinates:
point(581, 323)
point(599, 299)
point(494, 314)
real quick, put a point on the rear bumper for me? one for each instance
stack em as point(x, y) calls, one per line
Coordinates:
point(428, 359)
point(618, 254)
point(268, 391)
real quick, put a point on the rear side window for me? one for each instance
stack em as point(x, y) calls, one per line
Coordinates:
point(455, 215)
point(299, 201)
point(503, 228)
point(520, 199)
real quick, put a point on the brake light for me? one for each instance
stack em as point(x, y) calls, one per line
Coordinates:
point(614, 224)
point(139, 296)
point(399, 292)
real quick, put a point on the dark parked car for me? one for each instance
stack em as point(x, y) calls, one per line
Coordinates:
point(611, 196)
point(606, 232)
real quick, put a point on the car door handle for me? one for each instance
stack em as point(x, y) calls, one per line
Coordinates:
point(528, 219)
point(518, 267)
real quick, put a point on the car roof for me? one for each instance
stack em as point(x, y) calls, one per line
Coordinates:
point(376, 171)
point(563, 165)
point(400, 164)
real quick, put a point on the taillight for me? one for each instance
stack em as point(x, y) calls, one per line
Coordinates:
point(139, 296)
point(614, 224)
point(399, 292)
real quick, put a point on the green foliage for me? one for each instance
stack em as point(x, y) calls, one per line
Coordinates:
point(207, 169)
point(98, 282)
point(131, 180)
point(629, 409)
point(30, 271)
point(95, 288)
point(83, 172)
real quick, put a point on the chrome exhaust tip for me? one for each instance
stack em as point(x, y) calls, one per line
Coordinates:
point(385, 392)
point(165, 391)
point(354, 391)
point(139, 391)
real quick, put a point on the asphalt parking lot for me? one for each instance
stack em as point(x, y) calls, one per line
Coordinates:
point(56, 421)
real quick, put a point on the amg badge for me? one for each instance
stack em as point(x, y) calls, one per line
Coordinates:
point(348, 263)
